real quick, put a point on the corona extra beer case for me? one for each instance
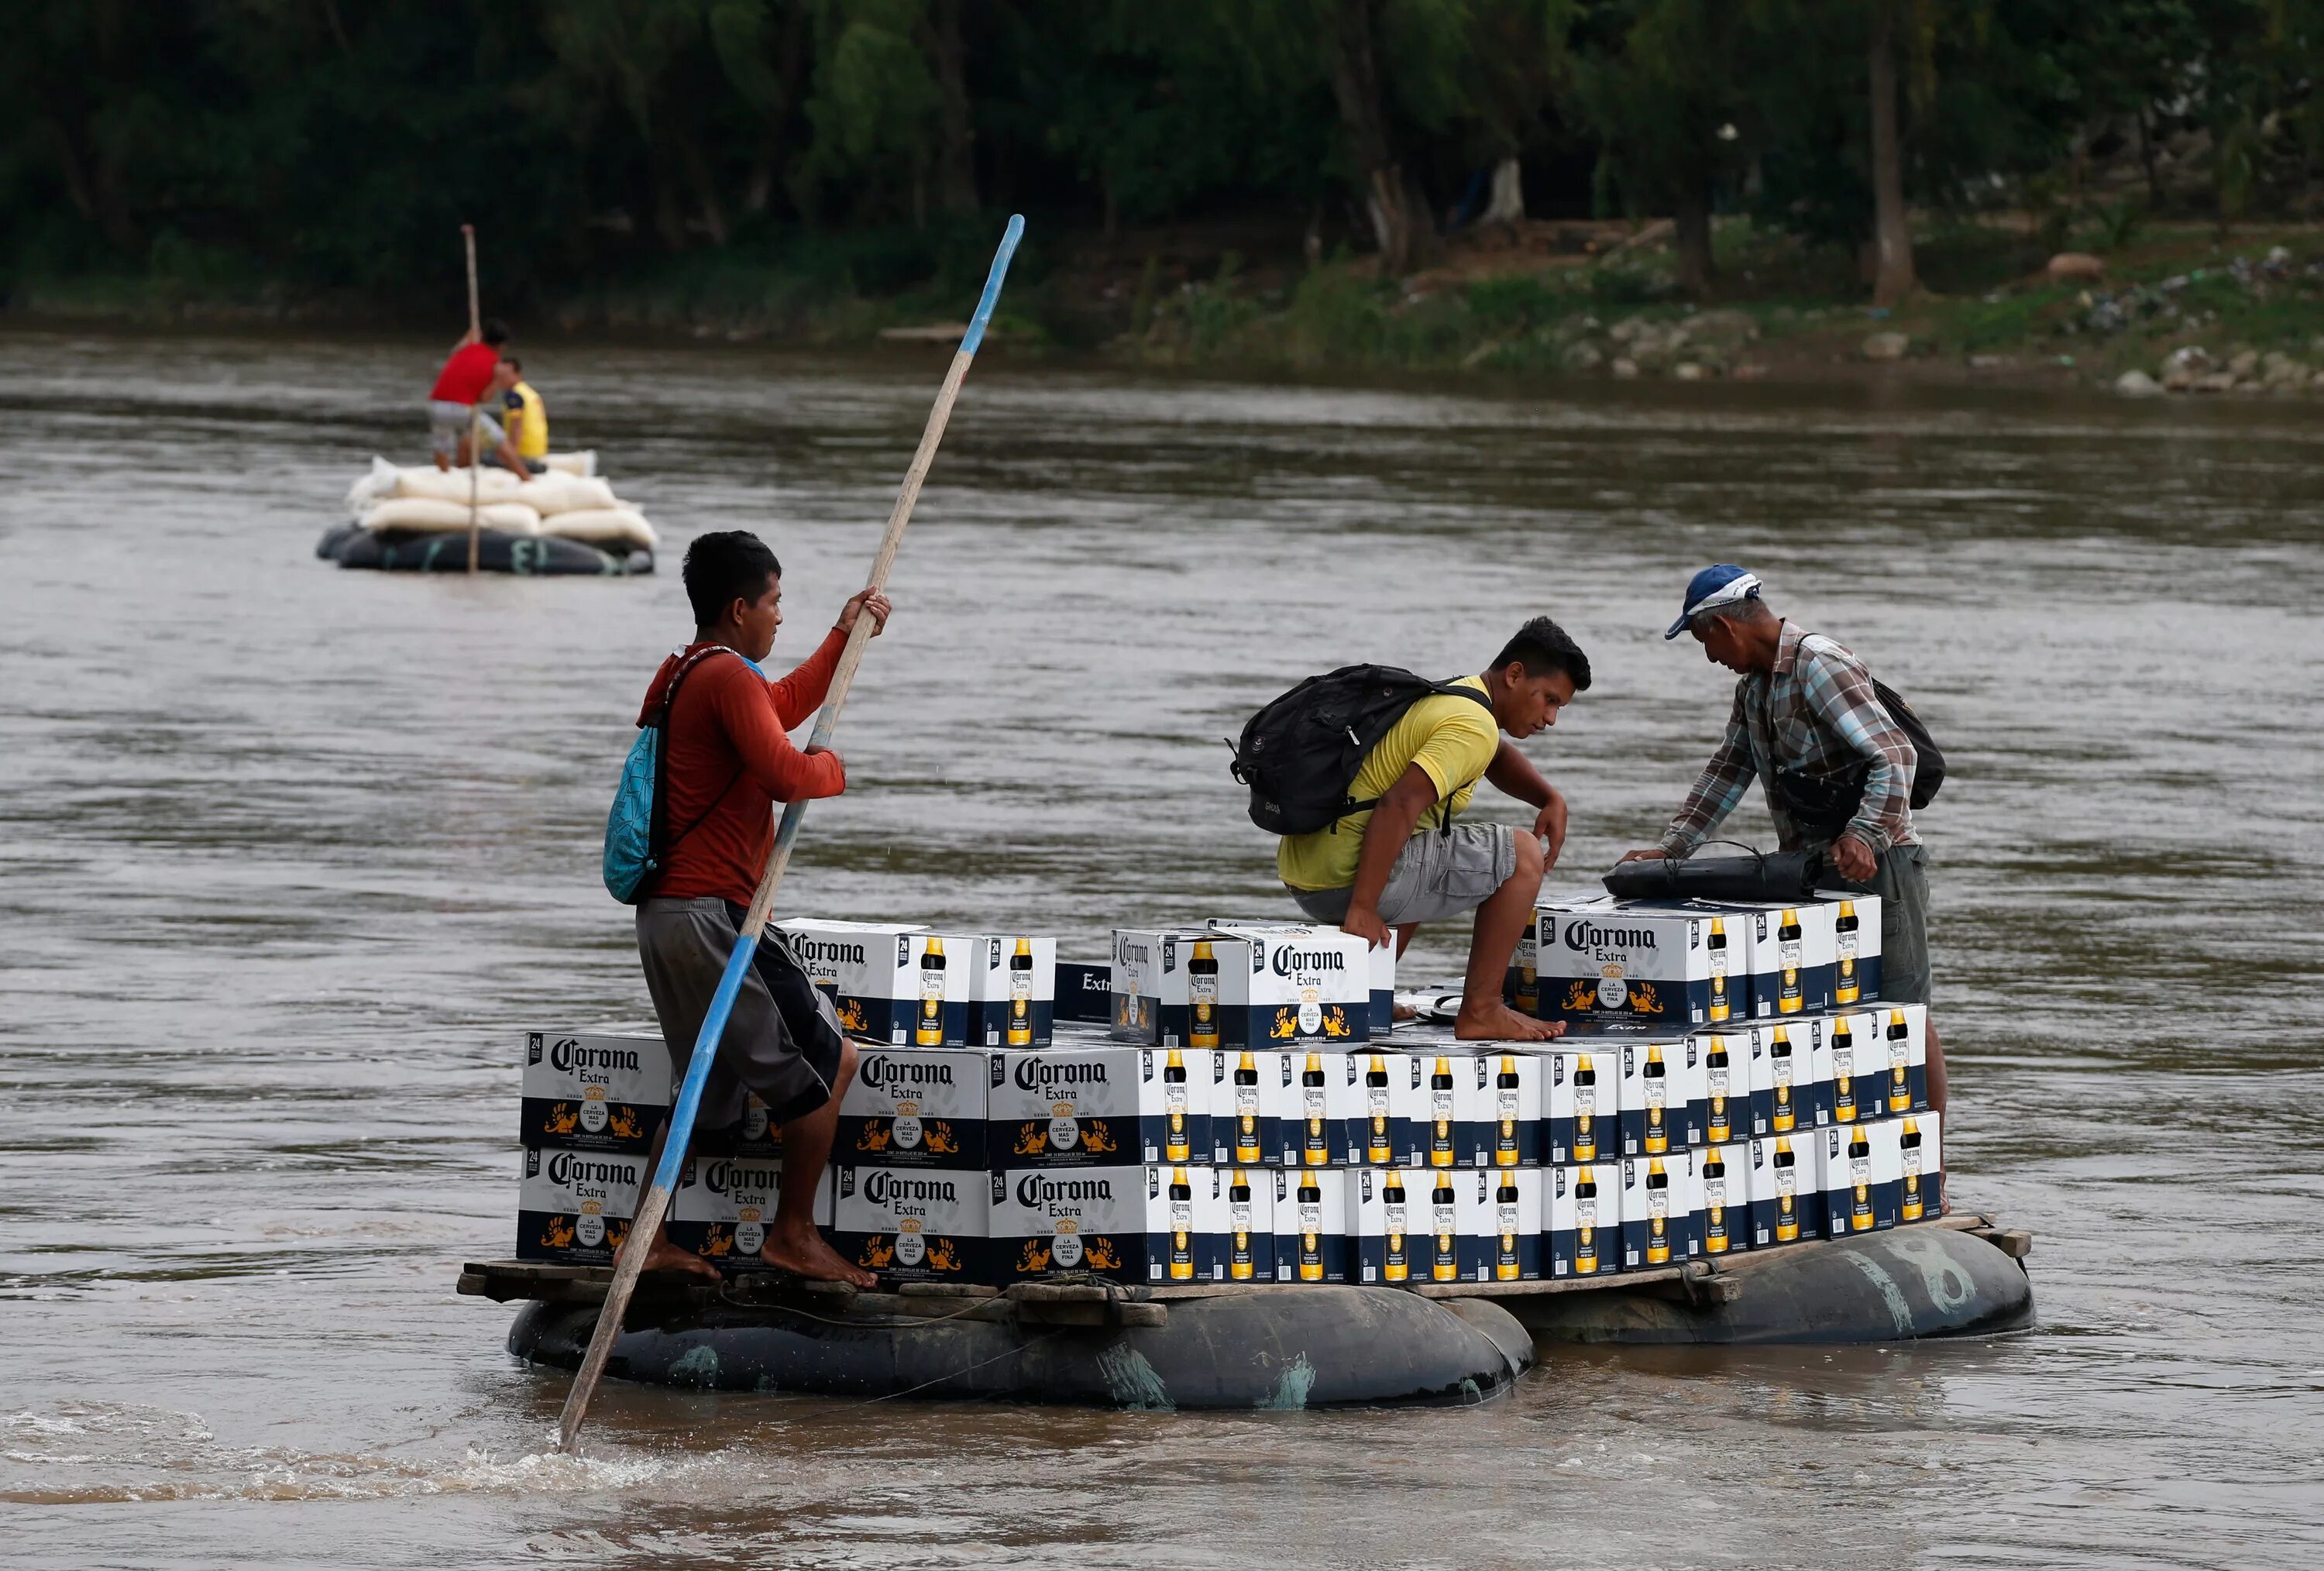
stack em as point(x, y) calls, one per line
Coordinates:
point(1787, 1188)
point(1890, 1048)
point(1381, 1021)
point(1660, 1223)
point(1012, 988)
point(1158, 1223)
point(1794, 953)
point(1311, 1224)
point(917, 1107)
point(1247, 1107)
point(1798, 1090)
point(1602, 963)
point(592, 1092)
point(1449, 1244)
point(1581, 1109)
point(1383, 1207)
point(1310, 987)
point(1734, 1062)
point(1096, 1104)
point(897, 984)
point(1085, 992)
point(1391, 1109)
point(1584, 1218)
point(1251, 1218)
point(1656, 1080)
point(1863, 1177)
point(1503, 1204)
point(913, 1224)
point(1920, 1165)
point(574, 1208)
point(754, 1135)
point(1499, 1123)
point(723, 1204)
point(1723, 1187)
point(1856, 949)
point(1181, 987)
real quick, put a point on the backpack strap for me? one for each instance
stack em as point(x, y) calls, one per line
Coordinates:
point(1451, 689)
point(655, 847)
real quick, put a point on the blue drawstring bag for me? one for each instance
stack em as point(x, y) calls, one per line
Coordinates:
point(633, 826)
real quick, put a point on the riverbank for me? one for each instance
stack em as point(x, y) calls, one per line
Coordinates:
point(2176, 308)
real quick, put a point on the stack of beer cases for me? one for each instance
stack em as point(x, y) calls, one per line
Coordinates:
point(1813, 1117)
point(591, 1103)
point(918, 1148)
point(589, 1107)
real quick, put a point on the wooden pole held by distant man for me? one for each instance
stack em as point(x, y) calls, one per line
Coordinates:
point(475, 421)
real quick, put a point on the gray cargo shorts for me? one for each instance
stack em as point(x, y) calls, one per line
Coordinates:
point(782, 1041)
point(1901, 882)
point(447, 423)
point(1436, 875)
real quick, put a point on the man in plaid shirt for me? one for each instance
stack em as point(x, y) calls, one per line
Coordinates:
point(1806, 705)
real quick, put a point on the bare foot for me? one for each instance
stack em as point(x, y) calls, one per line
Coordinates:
point(1403, 1012)
point(1497, 1022)
point(806, 1255)
point(666, 1256)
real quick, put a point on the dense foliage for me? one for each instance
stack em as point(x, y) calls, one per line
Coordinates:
point(334, 145)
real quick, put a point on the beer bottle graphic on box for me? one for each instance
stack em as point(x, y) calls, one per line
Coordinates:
point(1441, 1147)
point(1843, 1071)
point(1314, 1144)
point(1310, 1264)
point(1506, 1144)
point(1788, 1192)
point(1716, 1232)
point(1846, 987)
point(1177, 1135)
point(1717, 1072)
point(1397, 1265)
point(1721, 1006)
point(1182, 1226)
point(1444, 1230)
point(1242, 1253)
point(1783, 1072)
point(1506, 1267)
point(1914, 1203)
point(1586, 1261)
point(1020, 994)
point(1378, 1151)
point(930, 1030)
point(1248, 1149)
point(1788, 995)
point(1657, 1135)
point(1203, 996)
point(1586, 1111)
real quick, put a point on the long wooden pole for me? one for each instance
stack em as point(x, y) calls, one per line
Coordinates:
point(475, 425)
point(655, 1203)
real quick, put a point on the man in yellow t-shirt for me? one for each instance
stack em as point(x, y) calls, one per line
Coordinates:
point(527, 420)
point(1403, 861)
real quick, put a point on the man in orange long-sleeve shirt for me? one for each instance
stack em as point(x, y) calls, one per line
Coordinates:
point(729, 763)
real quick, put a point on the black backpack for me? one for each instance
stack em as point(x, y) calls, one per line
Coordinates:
point(1301, 754)
point(1824, 805)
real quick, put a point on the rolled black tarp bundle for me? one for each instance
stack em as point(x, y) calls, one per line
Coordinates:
point(497, 551)
point(1781, 877)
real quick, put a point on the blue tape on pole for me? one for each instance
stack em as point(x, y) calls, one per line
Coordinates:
point(976, 334)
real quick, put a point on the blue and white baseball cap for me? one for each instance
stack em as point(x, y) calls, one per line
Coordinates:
point(1724, 583)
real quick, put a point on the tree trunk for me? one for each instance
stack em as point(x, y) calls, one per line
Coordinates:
point(1892, 233)
point(1399, 219)
point(2147, 161)
point(956, 158)
point(1691, 220)
point(1508, 203)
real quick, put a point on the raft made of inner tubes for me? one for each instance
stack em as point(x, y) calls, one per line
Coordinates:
point(1960, 1276)
point(497, 551)
point(1281, 1348)
point(1243, 1346)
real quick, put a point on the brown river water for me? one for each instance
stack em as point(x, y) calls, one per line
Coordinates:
point(288, 857)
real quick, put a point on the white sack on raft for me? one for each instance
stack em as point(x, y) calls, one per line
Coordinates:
point(583, 463)
point(603, 527)
point(452, 485)
point(372, 487)
point(556, 492)
point(426, 515)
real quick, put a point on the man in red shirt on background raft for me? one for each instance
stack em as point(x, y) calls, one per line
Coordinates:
point(471, 375)
point(727, 765)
